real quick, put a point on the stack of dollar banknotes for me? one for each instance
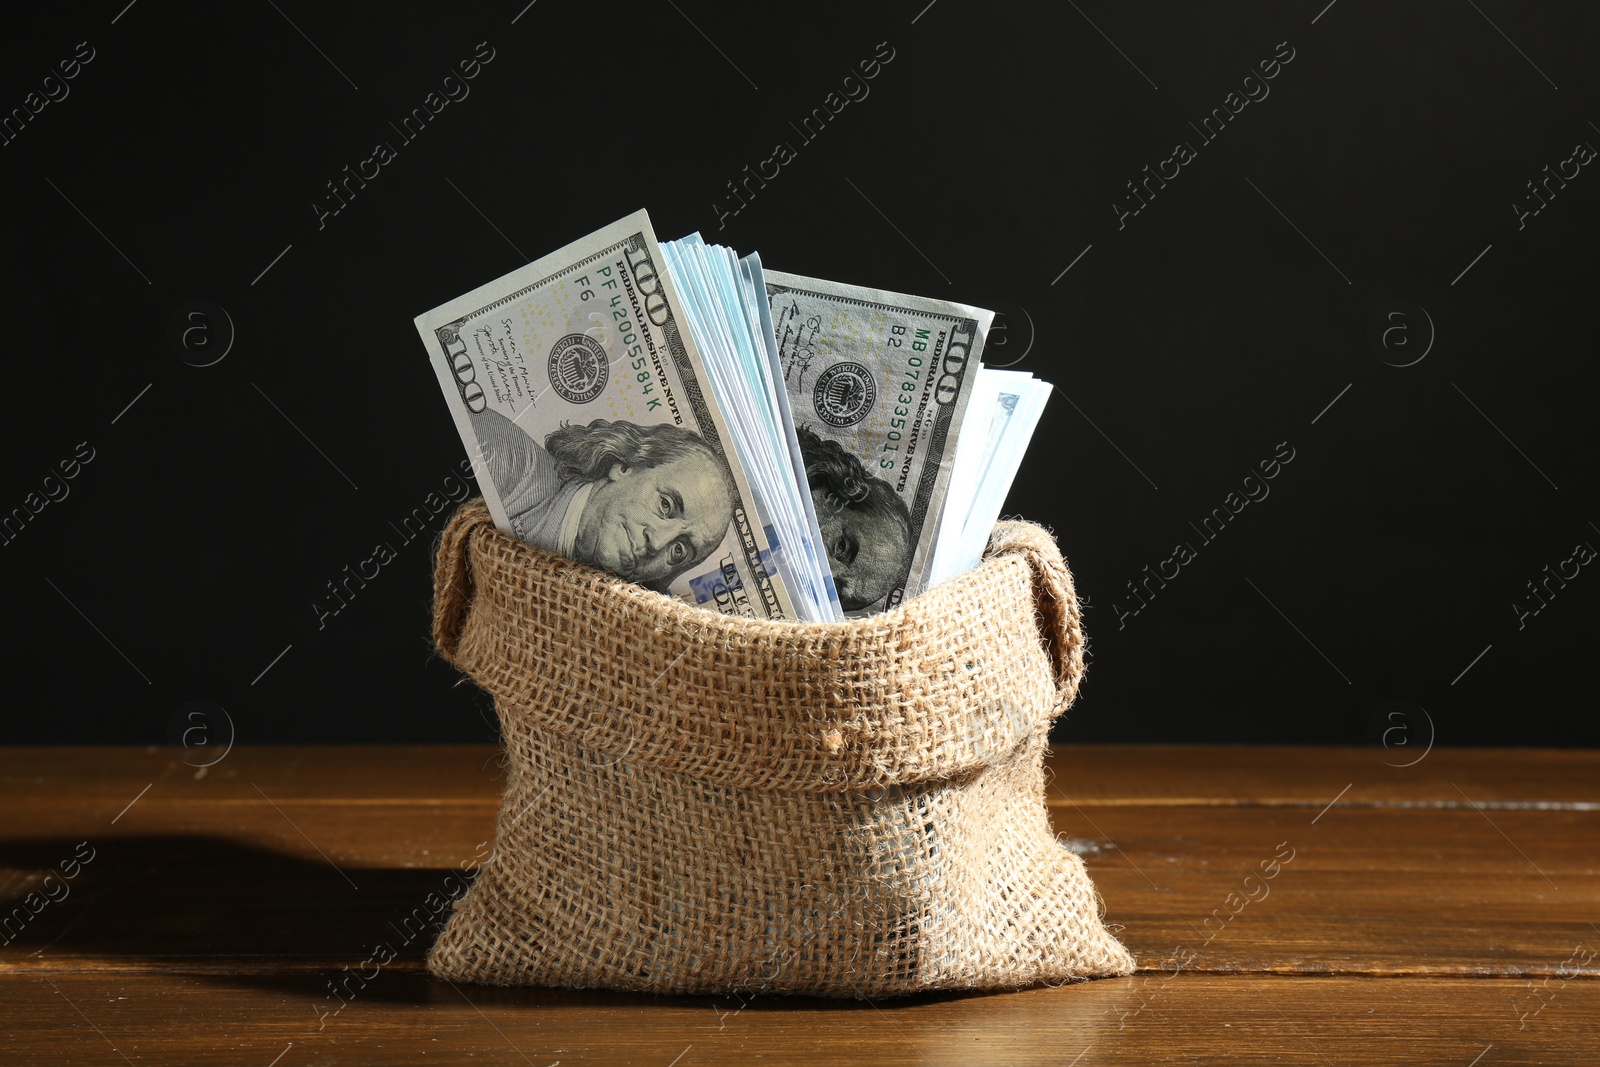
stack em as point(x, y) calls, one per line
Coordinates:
point(761, 444)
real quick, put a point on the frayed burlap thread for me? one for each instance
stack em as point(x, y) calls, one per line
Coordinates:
point(696, 803)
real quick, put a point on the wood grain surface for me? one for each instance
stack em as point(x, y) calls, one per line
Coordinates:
point(1286, 905)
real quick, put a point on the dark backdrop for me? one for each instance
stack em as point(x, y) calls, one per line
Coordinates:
point(1359, 214)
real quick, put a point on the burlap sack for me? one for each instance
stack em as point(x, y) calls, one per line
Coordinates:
point(696, 803)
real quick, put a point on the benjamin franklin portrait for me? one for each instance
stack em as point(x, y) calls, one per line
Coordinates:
point(644, 502)
point(866, 528)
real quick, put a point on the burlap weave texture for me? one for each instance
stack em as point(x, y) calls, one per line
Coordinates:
point(696, 803)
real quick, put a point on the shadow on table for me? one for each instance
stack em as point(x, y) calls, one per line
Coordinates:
point(213, 909)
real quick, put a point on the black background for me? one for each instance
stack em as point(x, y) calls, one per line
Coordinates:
point(1218, 322)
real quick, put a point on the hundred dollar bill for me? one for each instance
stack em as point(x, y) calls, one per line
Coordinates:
point(879, 385)
point(581, 396)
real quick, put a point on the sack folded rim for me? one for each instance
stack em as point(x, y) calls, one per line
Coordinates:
point(942, 684)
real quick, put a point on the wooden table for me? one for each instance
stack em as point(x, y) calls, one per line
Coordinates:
point(1442, 913)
